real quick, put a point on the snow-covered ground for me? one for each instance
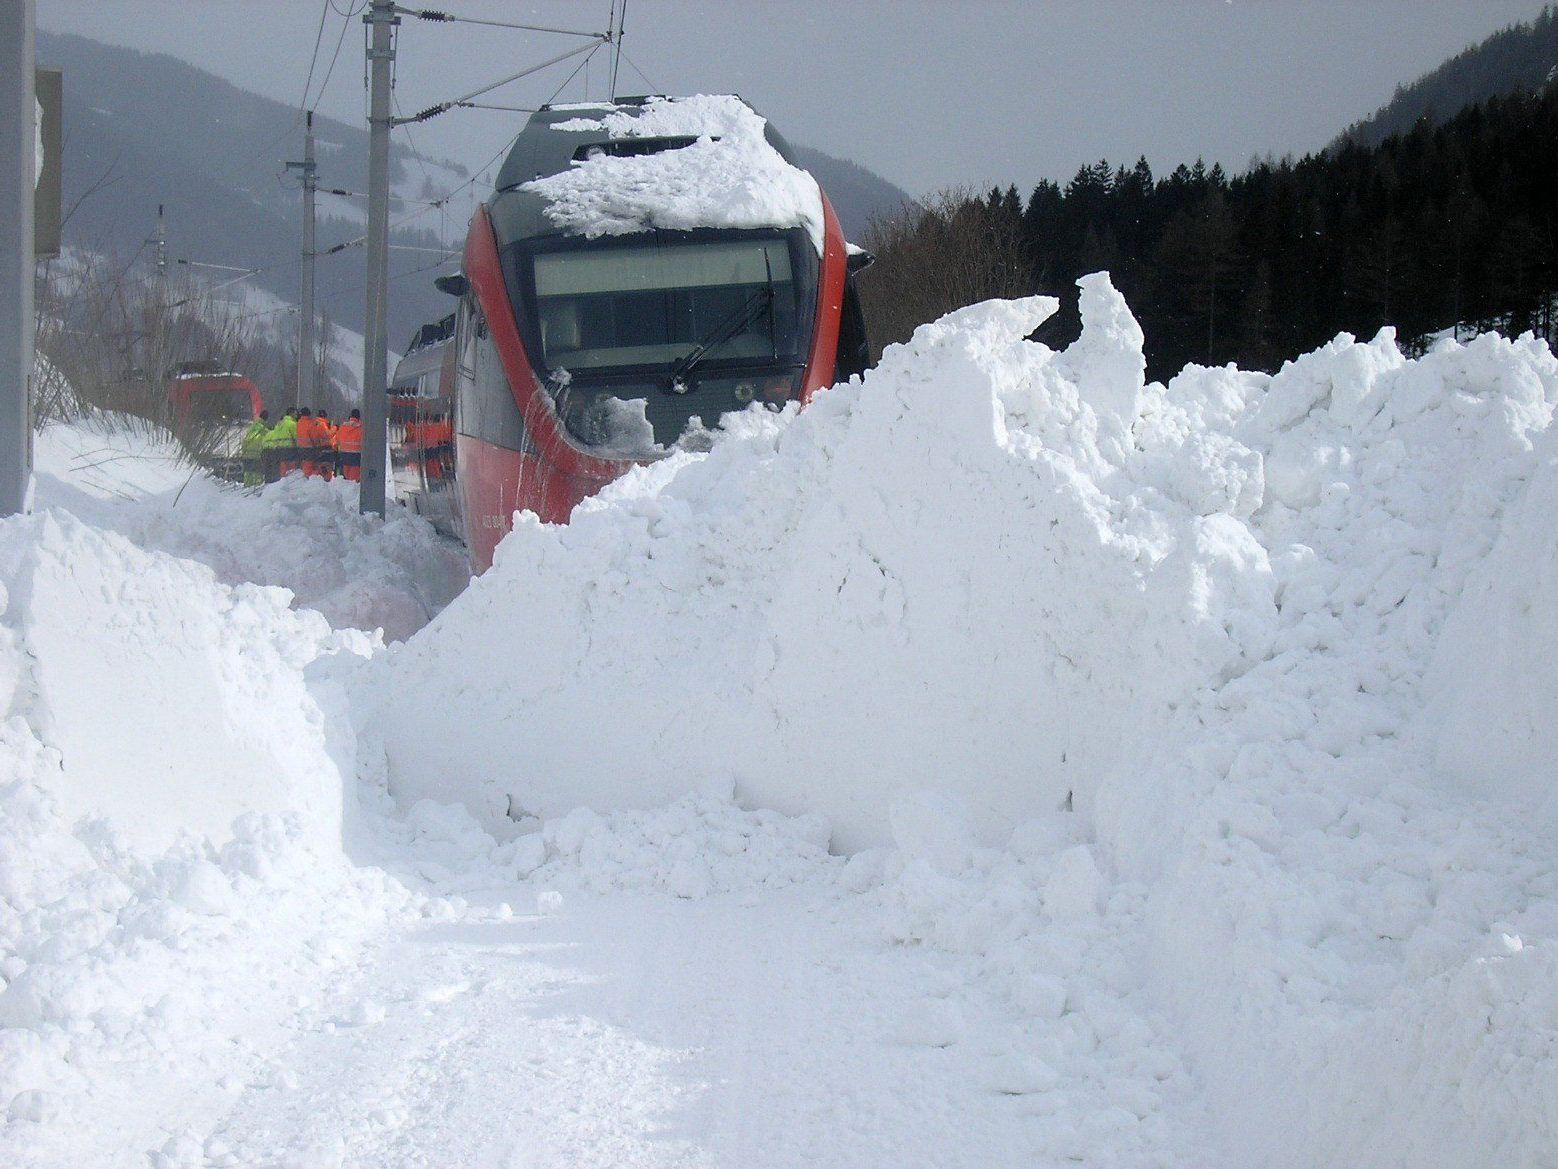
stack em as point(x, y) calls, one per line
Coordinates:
point(302, 534)
point(1183, 751)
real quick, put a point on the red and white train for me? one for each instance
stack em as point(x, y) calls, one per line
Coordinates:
point(584, 346)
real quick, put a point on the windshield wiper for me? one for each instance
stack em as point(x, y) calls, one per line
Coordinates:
point(748, 311)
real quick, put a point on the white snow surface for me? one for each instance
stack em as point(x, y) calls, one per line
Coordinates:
point(729, 177)
point(1275, 641)
point(1187, 744)
point(302, 534)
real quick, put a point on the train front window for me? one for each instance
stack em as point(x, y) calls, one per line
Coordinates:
point(636, 305)
point(219, 407)
point(646, 339)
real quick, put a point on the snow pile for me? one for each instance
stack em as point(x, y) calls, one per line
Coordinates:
point(695, 847)
point(173, 701)
point(176, 772)
point(730, 177)
point(303, 534)
point(173, 758)
point(899, 587)
point(1241, 658)
point(1329, 908)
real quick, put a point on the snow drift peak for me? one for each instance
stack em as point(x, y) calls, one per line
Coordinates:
point(1107, 358)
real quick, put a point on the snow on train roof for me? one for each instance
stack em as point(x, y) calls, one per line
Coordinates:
point(731, 174)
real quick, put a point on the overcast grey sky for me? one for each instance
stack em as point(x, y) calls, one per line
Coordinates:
point(926, 94)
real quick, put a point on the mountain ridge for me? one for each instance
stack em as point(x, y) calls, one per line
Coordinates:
point(1521, 56)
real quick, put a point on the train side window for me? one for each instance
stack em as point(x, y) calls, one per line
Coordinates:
point(468, 328)
point(854, 352)
point(493, 415)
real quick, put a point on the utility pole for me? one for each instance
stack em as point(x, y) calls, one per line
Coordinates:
point(162, 249)
point(381, 20)
point(18, 120)
point(306, 354)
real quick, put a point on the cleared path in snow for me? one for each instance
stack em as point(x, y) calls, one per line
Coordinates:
point(644, 1031)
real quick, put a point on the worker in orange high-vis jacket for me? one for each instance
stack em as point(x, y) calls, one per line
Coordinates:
point(326, 430)
point(308, 439)
point(438, 435)
point(412, 443)
point(348, 447)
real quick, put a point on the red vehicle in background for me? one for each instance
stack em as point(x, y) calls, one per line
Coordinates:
point(209, 408)
point(201, 395)
point(421, 433)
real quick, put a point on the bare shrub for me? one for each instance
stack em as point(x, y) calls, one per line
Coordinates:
point(951, 250)
point(116, 334)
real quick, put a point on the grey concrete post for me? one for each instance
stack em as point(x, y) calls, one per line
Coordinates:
point(307, 390)
point(18, 120)
point(381, 19)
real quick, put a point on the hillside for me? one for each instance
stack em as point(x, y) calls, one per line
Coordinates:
point(143, 129)
point(857, 194)
point(1523, 56)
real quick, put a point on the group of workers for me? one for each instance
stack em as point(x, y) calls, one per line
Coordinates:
point(429, 446)
point(302, 440)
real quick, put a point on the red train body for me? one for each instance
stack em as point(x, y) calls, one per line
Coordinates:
point(577, 355)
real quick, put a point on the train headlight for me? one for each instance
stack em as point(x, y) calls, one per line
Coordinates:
point(777, 391)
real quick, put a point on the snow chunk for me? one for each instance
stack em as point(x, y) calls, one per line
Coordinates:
point(729, 177)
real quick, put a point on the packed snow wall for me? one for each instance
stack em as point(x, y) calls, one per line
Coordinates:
point(175, 762)
point(172, 703)
point(960, 574)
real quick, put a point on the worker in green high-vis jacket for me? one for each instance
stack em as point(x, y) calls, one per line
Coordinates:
point(252, 448)
point(280, 447)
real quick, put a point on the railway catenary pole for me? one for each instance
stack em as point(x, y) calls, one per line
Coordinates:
point(161, 240)
point(381, 20)
point(17, 176)
point(307, 356)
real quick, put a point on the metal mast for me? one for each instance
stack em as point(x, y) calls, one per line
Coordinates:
point(306, 346)
point(381, 21)
point(17, 175)
point(161, 240)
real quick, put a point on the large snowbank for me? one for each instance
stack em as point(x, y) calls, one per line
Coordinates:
point(173, 766)
point(729, 177)
point(922, 581)
point(1271, 648)
point(177, 774)
point(174, 702)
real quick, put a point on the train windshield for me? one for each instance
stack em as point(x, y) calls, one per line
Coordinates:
point(219, 407)
point(638, 306)
point(645, 339)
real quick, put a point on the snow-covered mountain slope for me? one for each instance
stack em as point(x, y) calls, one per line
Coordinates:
point(1187, 742)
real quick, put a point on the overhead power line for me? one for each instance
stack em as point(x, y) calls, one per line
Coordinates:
point(598, 40)
point(346, 23)
point(433, 14)
point(324, 13)
point(616, 58)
